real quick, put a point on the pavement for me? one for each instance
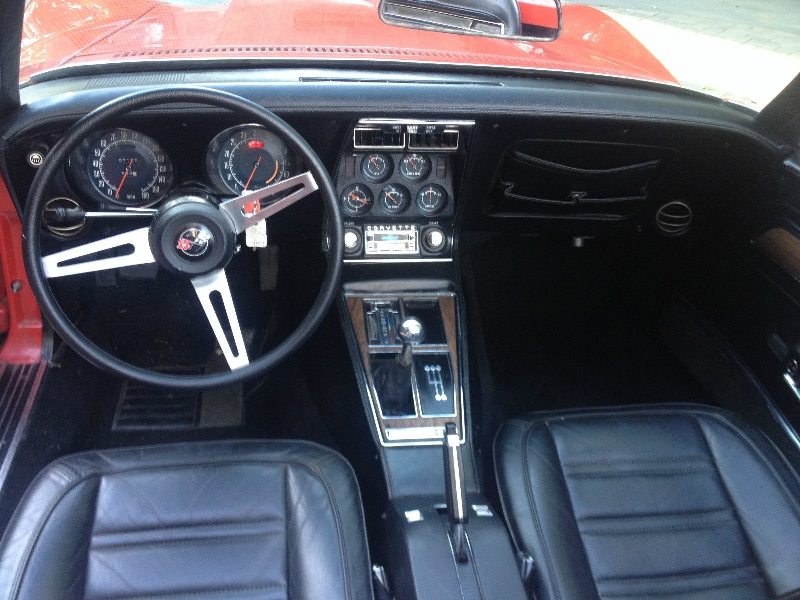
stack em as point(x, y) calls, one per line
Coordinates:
point(745, 51)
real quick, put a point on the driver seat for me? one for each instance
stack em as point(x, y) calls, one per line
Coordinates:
point(236, 520)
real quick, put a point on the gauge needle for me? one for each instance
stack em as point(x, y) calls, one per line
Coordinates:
point(124, 177)
point(252, 173)
point(356, 198)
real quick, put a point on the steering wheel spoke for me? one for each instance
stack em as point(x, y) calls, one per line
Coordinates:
point(215, 297)
point(79, 259)
point(241, 209)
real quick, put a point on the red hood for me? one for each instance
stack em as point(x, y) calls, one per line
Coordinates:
point(125, 30)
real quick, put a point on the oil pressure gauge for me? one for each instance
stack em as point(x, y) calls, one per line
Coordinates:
point(415, 167)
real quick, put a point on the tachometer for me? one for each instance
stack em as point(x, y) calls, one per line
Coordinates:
point(128, 167)
point(246, 158)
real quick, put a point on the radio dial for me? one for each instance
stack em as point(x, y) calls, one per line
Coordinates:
point(434, 240)
point(352, 241)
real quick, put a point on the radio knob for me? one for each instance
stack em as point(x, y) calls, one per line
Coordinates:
point(434, 240)
point(352, 241)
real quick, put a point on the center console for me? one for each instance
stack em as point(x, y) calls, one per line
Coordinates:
point(398, 182)
point(413, 399)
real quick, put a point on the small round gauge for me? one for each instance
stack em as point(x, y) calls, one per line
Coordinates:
point(415, 167)
point(377, 167)
point(127, 167)
point(395, 198)
point(356, 199)
point(246, 158)
point(431, 198)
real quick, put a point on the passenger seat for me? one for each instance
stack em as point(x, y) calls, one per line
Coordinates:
point(659, 501)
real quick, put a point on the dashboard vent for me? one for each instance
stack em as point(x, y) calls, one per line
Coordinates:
point(68, 228)
point(376, 138)
point(443, 140)
point(674, 218)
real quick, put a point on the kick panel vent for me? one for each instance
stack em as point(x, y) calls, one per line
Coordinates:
point(674, 218)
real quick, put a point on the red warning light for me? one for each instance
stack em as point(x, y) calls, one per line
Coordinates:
point(255, 145)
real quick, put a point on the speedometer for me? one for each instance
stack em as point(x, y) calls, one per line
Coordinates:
point(246, 158)
point(127, 167)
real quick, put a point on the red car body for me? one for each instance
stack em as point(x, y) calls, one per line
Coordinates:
point(63, 32)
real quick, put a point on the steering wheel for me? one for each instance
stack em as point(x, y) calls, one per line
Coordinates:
point(192, 236)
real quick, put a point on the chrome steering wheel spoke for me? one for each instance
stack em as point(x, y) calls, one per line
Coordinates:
point(241, 209)
point(69, 262)
point(216, 283)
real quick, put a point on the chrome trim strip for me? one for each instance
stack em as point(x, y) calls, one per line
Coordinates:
point(392, 121)
point(383, 261)
point(415, 433)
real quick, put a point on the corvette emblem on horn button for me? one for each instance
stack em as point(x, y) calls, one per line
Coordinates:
point(194, 241)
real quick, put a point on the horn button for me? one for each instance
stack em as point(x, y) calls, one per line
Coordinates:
point(191, 236)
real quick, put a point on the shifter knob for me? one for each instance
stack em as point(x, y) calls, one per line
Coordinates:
point(410, 332)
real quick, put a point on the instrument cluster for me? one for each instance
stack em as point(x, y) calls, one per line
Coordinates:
point(395, 185)
point(125, 167)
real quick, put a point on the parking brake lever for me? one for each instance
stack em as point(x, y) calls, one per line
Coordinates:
point(455, 491)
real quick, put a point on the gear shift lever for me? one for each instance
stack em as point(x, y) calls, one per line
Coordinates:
point(411, 333)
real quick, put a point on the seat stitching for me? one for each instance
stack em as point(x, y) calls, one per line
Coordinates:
point(635, 473)
point(654, 460)
point(534, 511)
point(664, 515)
point(193, 593)
point(657, 528)
point(684, 575)
point(178, 526)
point(206, 539)
point(681, 590)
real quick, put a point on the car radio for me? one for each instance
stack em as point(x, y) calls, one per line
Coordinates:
point(391, 239)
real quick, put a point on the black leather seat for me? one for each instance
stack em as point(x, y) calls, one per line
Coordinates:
point(659, 502)
point(234, 520)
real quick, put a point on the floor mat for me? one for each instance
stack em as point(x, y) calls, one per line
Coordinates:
point(572, 327)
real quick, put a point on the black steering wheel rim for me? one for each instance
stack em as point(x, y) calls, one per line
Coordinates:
point(87, 349)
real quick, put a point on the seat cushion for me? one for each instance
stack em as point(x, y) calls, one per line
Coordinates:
point(239, 520)
point(664, 501)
